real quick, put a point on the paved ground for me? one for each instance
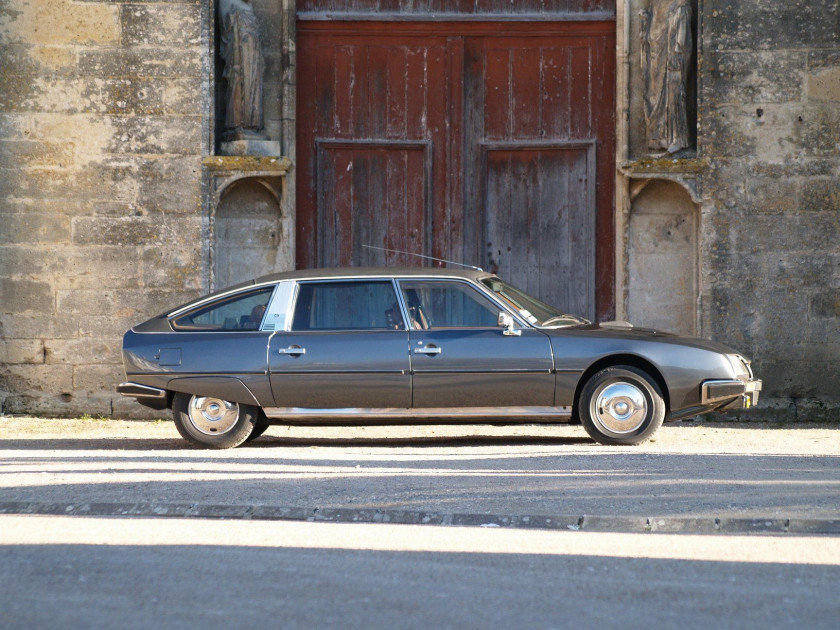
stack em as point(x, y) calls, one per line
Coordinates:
point(512, 567)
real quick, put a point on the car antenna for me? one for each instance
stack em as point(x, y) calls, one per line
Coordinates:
point(448, 262)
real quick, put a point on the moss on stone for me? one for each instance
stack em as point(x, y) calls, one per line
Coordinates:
point(279, 165)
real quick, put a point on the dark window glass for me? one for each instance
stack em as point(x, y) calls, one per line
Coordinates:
point(436, 304)
point(242, 311)
point(347, 306)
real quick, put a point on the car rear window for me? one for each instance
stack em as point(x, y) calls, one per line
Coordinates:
point(240, 311)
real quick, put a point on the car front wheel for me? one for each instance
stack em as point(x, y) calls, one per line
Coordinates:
point(621, 405)
point(212, 422)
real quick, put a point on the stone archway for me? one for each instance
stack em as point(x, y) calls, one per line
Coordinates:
point(662, 269)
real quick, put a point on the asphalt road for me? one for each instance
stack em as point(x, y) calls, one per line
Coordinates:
point(102, 570)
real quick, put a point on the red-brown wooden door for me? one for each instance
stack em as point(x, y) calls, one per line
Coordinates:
point(490, 143)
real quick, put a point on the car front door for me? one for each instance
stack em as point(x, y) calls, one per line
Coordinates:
point(461, 357)
point(345, 347)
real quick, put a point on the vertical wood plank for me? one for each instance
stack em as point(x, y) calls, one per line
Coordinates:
point(377, 90)
point(397, 93)
point(525, 92)
point(581, 93)
point(341, 78)
point(497, 94)
point(555, 92)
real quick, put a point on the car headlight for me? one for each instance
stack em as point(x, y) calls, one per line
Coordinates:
point(740, 366)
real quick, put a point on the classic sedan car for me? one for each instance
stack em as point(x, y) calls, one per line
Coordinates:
point(415, 345)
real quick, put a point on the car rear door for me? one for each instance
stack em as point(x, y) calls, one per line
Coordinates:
point(345, 347)
point(461, 357)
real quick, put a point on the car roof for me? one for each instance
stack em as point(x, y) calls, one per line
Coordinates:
point(367, 272)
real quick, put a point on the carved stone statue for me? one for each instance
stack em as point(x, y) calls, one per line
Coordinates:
point(666, 58)
point(240, 48)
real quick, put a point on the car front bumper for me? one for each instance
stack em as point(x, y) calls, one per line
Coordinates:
point(730, 394)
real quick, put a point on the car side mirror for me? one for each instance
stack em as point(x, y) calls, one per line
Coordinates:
point(506, 321)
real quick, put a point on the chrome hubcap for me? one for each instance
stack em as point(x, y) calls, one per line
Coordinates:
point(619, 407)
point(213, 416)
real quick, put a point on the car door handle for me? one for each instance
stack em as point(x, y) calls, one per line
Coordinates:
point(430, 350)
point(294, 350)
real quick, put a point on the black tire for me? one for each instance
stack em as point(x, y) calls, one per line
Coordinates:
point(621, 405)
point(225, 424)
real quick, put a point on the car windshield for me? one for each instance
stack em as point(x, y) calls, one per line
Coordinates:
point(536, 312)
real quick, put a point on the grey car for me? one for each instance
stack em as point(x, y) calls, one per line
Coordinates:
point(415, 345)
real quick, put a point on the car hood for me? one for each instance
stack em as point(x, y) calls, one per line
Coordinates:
point(610, 330)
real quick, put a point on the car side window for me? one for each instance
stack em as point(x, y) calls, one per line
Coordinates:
point(440, 304)
point(240, 311)
point(362, 305)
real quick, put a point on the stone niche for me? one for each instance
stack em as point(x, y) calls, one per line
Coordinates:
point(662, 266)
point(250, 229)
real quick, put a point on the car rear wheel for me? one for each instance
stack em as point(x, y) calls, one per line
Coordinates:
point(621, 405)
point(212, 422)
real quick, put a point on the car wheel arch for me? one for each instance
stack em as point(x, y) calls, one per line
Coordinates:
point(613, 360)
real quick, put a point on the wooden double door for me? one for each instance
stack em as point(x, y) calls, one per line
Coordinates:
point(489, 143)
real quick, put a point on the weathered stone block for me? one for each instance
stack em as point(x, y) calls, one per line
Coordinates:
point(21, 351)
point(61, 22)
point(820, 195)
point(824, 85)
point(18, 153)
point(132, 305)
point(772, 195)
point(85, 351)
point(164, 25)
point(36, 379)
point(754, 77)
point(98, 380)
point(129, 96)
point(826, 304)
point(183, 96)
point(98, 267)
point(147, 62)
point(24, 59)
point(107, 324)
point(123, 231)
point(173, 267)
point(170, 185)
point(33, 324)
point(34, 227)
point(724, 132)
point(772, 25)
point(156, 134)
point(25, 295)
point(818, 129)
point(796, 166)
point(64, 405)
point(112, 182)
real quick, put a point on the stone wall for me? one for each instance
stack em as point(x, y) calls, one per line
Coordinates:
point(770, 123)
point(103, 121)
point(765, 177)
